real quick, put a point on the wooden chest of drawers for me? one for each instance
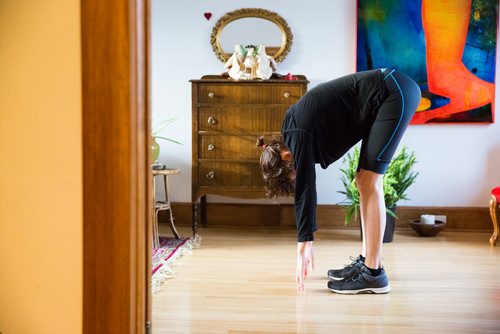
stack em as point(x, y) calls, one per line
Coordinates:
point(228, 117)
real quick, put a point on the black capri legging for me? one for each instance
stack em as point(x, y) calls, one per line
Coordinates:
point(391, 121)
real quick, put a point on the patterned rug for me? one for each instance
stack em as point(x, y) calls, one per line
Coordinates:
point(167, 256)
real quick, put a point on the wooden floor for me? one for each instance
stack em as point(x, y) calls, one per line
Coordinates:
point(242, 281)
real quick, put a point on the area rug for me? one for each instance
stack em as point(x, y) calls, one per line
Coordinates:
point(167, 256)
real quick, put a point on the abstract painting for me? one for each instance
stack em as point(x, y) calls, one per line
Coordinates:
point(447, 46)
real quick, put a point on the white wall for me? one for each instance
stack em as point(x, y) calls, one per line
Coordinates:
point(458, 164)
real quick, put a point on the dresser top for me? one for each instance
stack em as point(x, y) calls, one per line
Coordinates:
point(221, 79)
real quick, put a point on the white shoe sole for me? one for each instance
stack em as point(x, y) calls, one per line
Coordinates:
point(385, 289)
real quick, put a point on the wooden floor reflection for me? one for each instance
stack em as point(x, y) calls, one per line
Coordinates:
point(242, 281)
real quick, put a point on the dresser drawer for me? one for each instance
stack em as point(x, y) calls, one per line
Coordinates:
point(228, 118)
point(230, 174)
point(241, 120)
point(249, 94)
point(229, 147)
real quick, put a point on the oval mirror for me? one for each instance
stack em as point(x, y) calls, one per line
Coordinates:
point(251, 26)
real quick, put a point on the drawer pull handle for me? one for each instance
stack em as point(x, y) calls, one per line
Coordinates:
point(211, 175)
point(211, 94)
point(286, 95)
point(211, 120)
point(211, 147)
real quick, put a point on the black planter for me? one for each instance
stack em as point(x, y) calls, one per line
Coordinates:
point(389, 227)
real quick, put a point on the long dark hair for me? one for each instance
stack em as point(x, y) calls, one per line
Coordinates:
point(275, 170)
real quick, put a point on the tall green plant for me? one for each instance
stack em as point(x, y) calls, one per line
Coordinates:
point(350, 190)
point(398, 178)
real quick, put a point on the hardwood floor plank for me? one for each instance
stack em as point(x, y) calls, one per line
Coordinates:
point(242, 281)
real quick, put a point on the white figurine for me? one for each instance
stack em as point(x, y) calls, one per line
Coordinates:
point(234, 65)
point(250, 65)
point(266, 65)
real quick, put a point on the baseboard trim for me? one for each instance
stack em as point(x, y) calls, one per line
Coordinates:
point(328, 216)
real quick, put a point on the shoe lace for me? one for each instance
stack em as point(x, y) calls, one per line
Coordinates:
point(354, 261)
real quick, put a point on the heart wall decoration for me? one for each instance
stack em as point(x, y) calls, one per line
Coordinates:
point(207, 15)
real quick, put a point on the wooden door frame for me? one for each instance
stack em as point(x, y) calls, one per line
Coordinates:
point(116, 172)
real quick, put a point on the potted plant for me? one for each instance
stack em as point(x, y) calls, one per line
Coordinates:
point(155, 135)
point(398, 178)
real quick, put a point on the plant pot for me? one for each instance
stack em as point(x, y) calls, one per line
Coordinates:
point(390, 223)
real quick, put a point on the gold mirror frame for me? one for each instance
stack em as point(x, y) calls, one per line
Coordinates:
point(286, 33)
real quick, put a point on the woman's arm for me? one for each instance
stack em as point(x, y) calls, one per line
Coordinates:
point(305, 189)
point(305, 206)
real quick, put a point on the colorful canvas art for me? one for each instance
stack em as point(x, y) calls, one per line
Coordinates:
point(448, 47)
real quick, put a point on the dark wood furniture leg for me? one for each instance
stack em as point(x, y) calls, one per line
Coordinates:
point(195, 218)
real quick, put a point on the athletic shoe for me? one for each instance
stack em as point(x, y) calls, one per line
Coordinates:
point(348, 271)
point(362, 282)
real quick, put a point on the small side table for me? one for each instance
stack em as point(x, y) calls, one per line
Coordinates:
point(159, 205)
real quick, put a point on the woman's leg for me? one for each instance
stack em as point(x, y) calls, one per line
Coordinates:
point(376, 153)
point(372, 210)
point(363, 230)
point(370, 276)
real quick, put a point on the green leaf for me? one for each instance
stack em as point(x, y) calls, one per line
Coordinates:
point(391, 213)
point(171, 140)
point(162, 125)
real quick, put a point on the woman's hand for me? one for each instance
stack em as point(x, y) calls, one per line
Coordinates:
point(305, 262)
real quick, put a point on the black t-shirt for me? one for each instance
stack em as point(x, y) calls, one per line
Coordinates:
point(321, 127)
